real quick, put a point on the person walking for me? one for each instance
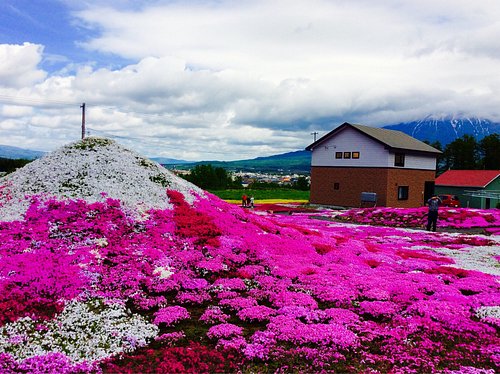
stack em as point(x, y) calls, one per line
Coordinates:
point(432, 215)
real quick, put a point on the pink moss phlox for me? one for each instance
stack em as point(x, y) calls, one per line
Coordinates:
point(238, 303)
point(416, 217)
point(171, 338)
point(256, 313)
point(214, 314)
point(294, 331)
point(53, 362)
point(261, 345)
point(170, 315)
point(224, 330)
point(193, 223)
point(287, 298)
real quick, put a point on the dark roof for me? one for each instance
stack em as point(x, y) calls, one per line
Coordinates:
point(467, 178)
point(390, 138)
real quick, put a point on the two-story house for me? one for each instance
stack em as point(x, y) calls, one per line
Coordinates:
point(353, 159)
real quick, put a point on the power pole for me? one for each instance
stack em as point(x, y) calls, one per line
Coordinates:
point(314, 134)
point(83, 120)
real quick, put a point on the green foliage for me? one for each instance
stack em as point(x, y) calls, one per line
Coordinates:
point(301, 184)
point(9, 165)
point(209, 177)
point(160, 179)
point(462, 154)
point(466, 153)
point(489, 149)
point(91, 143)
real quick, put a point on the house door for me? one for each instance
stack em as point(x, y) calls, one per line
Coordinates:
point(428, 190)
point(487, 203)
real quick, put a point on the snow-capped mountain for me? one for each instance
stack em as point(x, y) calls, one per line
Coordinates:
point(446, 129)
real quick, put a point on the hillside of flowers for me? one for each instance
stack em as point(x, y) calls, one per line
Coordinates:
point(198, 285)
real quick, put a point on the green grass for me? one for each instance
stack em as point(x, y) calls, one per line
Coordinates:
point(271, 194)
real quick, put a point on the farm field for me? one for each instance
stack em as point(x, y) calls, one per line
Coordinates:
point(185, 282)
point(270, 195)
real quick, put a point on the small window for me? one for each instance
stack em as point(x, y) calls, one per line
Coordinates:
point(399, 159)
point(338, 154)
point(347, 154)
point(403, 192)
point(336, 186)
point(355, 154)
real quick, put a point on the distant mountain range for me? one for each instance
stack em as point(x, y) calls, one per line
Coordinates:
point(444, 129)
point(291, 162)
point(7, 151)
point(447, 129)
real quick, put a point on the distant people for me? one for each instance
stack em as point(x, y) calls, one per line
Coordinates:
point(244, 201)
point(251, 201)
point(432, 216)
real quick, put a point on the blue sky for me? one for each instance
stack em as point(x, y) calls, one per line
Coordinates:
point(224, 79)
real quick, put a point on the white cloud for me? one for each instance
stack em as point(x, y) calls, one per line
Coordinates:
point(18, 65)
point(229, 80)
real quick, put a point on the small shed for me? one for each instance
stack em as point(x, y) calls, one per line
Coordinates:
point(474, 188)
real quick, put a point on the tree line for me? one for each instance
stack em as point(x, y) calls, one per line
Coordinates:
point(8, 165)
point(466, 153)
point(209, 177)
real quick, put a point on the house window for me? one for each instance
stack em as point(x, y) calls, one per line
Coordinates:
point(338, 154)
point(355, 154)
point(347, 154)
point(336, 186)
point(399, 159)
point(403, 192)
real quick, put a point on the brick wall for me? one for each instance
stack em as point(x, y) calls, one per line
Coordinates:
point(414, 179)
point(353, 181)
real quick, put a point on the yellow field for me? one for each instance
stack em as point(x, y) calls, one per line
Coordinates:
point(270, 201)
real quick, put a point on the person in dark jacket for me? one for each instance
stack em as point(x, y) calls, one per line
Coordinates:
point(432, 216)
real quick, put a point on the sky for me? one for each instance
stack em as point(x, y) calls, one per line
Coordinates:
point(230, 80)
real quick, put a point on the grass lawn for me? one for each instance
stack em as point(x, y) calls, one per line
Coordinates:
point(264, 195)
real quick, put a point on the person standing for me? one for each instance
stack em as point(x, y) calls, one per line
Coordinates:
point(244, 201)
point(432, 216)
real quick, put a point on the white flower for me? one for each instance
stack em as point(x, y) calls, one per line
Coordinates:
point(163, 272)
point(93, 169)
point(88, 331)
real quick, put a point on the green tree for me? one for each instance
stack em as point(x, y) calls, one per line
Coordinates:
point(209, 178)
point(489, 150)
point(462, 154)
point(301, 184)
point(9, 165)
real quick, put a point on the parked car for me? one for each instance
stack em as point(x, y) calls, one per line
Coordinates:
point(450, 200)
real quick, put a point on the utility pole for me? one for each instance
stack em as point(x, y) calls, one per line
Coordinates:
point(83, 120)
point(314, 134)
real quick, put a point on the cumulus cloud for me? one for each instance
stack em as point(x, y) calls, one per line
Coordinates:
point(228, 80)
point(19, 65)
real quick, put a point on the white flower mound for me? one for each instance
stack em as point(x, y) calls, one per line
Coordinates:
point(88, 168)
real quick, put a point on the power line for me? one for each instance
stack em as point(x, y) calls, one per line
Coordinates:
point(29, 101)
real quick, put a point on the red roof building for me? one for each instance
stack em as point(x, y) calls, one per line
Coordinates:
point(474, 188)
point(467, 178)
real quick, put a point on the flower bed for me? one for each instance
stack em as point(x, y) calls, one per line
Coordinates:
point(211, 287)
point(417, 217)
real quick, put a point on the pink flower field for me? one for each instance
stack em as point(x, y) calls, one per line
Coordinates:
point(197, 285)
point(459, 218)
